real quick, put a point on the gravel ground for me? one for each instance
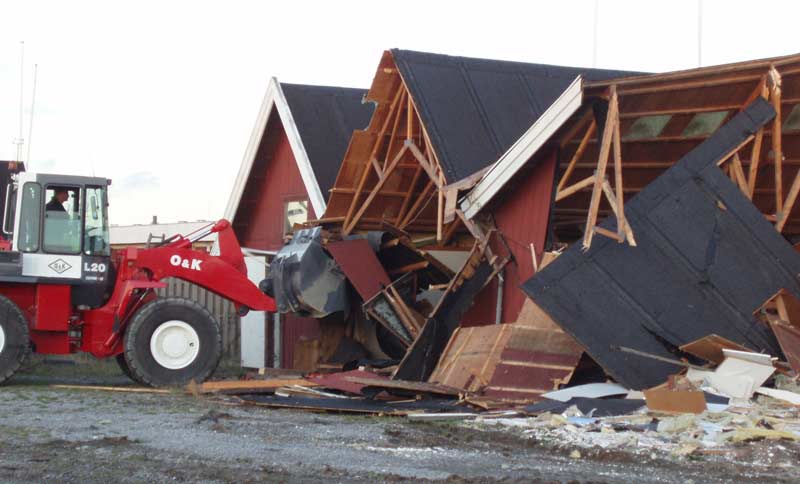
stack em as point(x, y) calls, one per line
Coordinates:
point(87, 436)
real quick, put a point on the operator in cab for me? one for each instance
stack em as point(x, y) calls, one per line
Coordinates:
point(56, 204)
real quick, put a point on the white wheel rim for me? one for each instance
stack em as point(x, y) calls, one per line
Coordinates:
point(174, 345)
point(2, 339)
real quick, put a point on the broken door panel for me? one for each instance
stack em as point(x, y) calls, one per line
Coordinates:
point(361, 266)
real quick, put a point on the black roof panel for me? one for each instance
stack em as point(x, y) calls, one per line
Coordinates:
point(326, 118)
point(705, 260)
point(475, 109)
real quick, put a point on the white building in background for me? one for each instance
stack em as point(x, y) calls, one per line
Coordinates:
point(139, 235)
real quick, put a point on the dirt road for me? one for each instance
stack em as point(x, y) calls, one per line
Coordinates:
point(60, 435)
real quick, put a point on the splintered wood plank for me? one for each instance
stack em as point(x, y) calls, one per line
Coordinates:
point(112, 389)
point(572, 189)
point(249, 386)
point(710, 348)
point(755, 157)
point(777, 151)
point(411, 386)
point(622, 222)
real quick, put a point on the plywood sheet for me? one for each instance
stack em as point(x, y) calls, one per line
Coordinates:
point(710, 348)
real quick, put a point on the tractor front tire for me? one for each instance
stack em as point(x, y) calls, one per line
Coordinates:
point(172, 341)
point(123, 365)
point(15, 339)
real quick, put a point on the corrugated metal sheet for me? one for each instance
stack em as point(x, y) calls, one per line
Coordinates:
point(706, 260)
point(475, 109)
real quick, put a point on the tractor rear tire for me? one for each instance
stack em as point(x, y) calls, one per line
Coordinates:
point(172, 341)
point(15, 339)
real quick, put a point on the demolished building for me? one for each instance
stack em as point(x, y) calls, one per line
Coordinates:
point(439, 123)
point(659, 204)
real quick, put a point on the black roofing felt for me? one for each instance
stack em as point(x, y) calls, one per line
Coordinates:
point(475, 109)
point(326, 118)
point(699, 267)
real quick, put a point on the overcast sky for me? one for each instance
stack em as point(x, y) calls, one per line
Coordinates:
point(161, 96)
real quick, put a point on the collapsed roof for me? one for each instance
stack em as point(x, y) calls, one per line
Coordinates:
point(654, 121)
point(438, 120)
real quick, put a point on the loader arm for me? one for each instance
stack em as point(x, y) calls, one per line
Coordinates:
point(224, 274)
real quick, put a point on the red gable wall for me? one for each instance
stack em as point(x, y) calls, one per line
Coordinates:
point(274, 180)
point(521, 213)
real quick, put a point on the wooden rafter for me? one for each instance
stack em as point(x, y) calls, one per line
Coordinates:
point(577, 156)
point(612, 118)
point(775, 97)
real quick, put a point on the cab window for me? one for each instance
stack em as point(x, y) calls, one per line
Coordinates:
point(95, 239)
point(30, 217)
point(62, 220)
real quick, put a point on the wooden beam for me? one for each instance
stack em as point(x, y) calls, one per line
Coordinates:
point(451, 230)
point(426, 165)
point(775, 97)
point(576, 127)
point(410, 192)
point(788, 205)
point(689, 85)
point(622, 222)
point(737, 173)
point(692, 110)
point(440, 209)
point(755, 156)
point(377, 166)
point(420, 200)
point(608, 233)
point(578, 153)
point(572, 189)
point(409, 267)
point(612, 201)
point(349, 228)
point(409, 119)
point(397, 117)
point(602, 163)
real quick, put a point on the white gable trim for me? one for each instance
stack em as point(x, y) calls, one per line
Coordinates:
point(299, 151)
point(274, 99)
point(521, 151)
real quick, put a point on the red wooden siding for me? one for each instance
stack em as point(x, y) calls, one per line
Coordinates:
point(274, 180)
point(521, 214)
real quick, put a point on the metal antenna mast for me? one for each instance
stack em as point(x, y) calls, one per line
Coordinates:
point(30, 126)
point(20, 140)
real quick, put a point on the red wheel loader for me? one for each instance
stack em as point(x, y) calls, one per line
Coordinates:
point(63, 290)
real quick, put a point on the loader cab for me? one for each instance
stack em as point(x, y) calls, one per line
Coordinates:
point(58, 227)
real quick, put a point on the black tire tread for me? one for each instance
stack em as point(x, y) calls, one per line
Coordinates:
point(7, 306)
point(141, 317)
